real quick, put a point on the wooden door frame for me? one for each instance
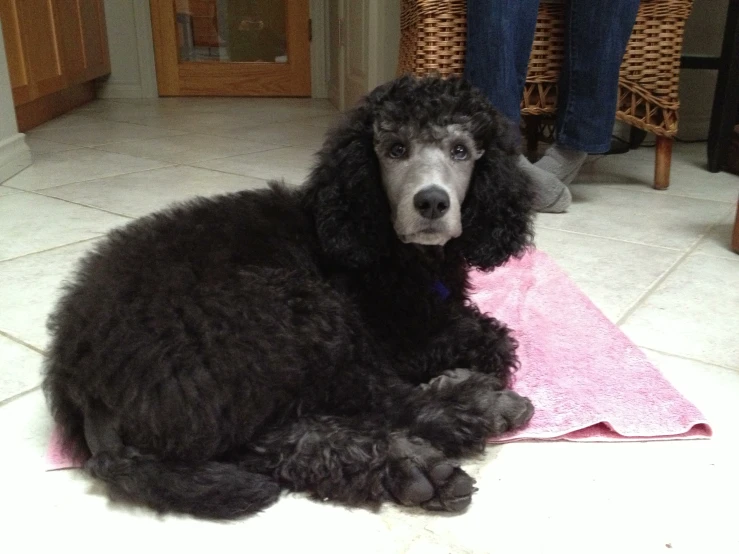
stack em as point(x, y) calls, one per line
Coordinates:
point(171, 73)
point(319, 52)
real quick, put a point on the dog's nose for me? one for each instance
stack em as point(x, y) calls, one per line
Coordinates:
point(431, 202)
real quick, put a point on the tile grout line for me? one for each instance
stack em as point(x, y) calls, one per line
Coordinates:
point(109, 212)
point(18, 395)
point(714, 364)
point(184, 132)
point(662, 278)
point(176, 132)
point(652, 288)
point(99, 149)
point(51, 249)
point(166, 165)
point(719, 256)
point(100, 119)
point(169, 133)
point(648, 188)
point(625, 187)
point(22, 342)
point(708, 229)
point(279, 179)
point(613, 239)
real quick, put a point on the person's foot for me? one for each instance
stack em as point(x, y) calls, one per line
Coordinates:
point(562, 162)
point(552, 195)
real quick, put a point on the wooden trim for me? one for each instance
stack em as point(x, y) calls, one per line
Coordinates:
point(735, 234)
point(261, 80)
point(298, 59)
point(165, 47)
point(47, 107)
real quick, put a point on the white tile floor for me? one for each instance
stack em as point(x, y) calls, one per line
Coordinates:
point(657, 263)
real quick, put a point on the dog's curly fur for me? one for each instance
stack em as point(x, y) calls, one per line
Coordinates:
point(208, 355)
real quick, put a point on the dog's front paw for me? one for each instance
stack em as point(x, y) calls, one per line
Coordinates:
point(460, 410)
point(510, 411)
point(419, 475)
point(506, 410)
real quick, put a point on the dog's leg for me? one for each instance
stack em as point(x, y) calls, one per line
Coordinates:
point(359, 462)
point(459, 410)
point(471, 340)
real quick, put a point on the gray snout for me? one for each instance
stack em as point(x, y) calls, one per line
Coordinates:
point(431, 202)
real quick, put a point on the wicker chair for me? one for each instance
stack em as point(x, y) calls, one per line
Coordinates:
point(433, 36)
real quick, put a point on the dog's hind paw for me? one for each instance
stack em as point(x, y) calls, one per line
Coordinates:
point(419, 475)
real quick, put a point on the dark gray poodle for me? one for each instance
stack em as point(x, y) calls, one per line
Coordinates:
point(208, 355)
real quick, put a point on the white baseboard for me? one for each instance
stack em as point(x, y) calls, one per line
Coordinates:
point(15, 156)
point(116, 90)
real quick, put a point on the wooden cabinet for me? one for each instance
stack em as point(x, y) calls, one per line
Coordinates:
point(84, 40)
point(55, 48)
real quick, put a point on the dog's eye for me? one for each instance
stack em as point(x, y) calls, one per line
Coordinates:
point(459, 152)
point(397, 150)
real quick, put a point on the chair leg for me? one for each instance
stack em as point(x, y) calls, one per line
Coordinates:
point(636, 137)
point(533, 122)
point(735, 234)
point(662, 160)
point(726, 97)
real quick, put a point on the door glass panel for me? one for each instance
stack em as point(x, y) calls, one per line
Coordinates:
point(231, 30)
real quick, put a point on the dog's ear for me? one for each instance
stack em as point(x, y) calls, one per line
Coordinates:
point(345, 194)
point(497, 211)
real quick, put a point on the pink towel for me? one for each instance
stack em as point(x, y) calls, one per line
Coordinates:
point(587, 380)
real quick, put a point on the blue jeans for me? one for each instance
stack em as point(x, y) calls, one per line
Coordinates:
point(499, 38)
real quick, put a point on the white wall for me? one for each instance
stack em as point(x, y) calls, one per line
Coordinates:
point(703, 36)
point(14, 153)
point(133, 73)
point(319, 49)
point(390, 41)
point(381, 25)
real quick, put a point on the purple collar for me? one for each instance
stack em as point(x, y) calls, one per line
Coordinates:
point(441, 290)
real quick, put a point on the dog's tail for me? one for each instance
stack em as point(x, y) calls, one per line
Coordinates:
point(207, 489)
point(211, 489)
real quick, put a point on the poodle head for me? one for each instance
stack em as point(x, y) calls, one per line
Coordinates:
point(421, 161)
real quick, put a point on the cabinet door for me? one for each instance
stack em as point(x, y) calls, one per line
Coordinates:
point(53, 44)
point(95, 37)
point(83, 39)
point(39, 42)
point(20, 80)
